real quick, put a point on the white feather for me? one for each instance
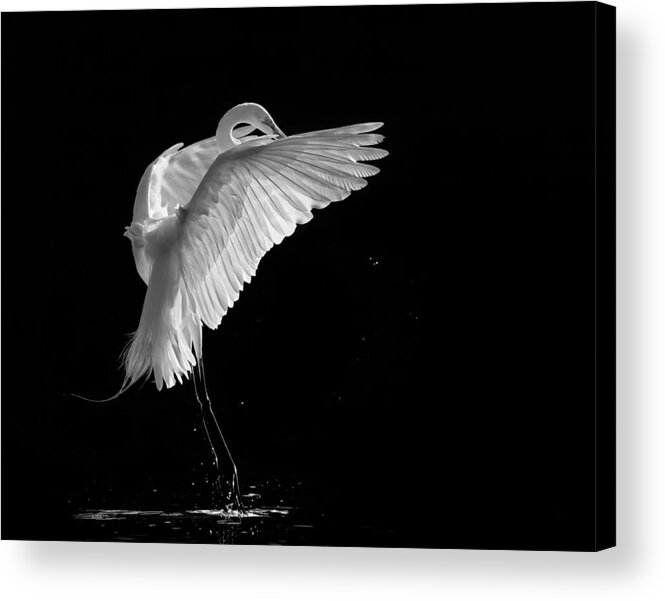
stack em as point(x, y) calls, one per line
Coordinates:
point(208, 218)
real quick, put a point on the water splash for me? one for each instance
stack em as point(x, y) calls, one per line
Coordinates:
point(218, 526)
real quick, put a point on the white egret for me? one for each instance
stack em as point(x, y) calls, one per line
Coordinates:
point(205, 215)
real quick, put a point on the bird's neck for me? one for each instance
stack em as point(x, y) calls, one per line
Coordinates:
point(238, 114)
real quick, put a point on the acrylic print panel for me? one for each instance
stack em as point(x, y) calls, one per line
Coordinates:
point(427, 363)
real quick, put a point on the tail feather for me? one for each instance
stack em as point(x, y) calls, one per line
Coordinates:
point(168, 331)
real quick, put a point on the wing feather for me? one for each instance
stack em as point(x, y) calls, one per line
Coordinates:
point(254, 196)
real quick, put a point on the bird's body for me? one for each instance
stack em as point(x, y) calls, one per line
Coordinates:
point(203, 218)
point(205, 215)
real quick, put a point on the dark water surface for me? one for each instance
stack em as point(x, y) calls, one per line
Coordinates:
point(271, 516)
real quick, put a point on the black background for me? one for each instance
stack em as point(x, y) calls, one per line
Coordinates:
point(419, 357)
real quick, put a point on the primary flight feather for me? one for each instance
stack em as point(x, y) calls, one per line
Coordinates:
point(205, 215)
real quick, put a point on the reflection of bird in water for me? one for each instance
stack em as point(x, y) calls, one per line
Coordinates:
point(205, 215)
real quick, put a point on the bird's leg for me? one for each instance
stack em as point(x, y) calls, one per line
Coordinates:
point(235, 496)
point(218, 480)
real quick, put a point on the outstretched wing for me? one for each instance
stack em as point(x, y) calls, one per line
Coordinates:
point(254, 195)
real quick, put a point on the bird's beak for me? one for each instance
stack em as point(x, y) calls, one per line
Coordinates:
point(273, 128)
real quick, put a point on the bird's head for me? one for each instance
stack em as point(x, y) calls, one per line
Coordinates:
point(238, 123)
point(258, 117)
